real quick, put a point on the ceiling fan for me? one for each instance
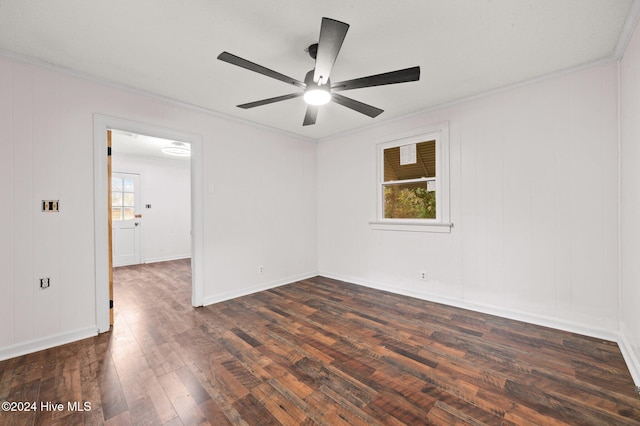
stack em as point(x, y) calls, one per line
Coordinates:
point(317, 86)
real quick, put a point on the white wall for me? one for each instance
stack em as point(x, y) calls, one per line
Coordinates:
point(259, 201)
point(630, 203)
point(166, 185)
point(533, 201)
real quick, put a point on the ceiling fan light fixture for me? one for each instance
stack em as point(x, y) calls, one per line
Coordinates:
point(177, 148)
point(317, 96)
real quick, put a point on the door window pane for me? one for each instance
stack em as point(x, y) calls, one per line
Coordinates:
point(129, 213)
point(129, 199)
point(128, 185)
point(116, 198)
point(116, 184)
point(116, 213)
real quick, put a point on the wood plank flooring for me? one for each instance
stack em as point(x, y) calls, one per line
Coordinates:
point(319, 352)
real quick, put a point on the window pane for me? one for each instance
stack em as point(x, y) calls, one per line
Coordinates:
point(116, 184)
point(116, 198)
point(129, 213)
point(129, 199)
point(128, 185)
point(409, 201)
point(116, 213)
point(422, 165)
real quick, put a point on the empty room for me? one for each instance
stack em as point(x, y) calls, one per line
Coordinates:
point(340, 212)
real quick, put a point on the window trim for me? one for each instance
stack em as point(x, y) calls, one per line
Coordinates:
point(442, 223)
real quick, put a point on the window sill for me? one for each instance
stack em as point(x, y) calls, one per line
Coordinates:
point(410, 226)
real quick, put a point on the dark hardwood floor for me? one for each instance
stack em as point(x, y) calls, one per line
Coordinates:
point(317, 351)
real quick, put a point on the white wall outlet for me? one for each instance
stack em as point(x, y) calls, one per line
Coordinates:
point(44, 283)
point(423, 275)
point(260, 269)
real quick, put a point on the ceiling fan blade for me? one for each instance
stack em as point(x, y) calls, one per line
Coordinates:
point(393, 77)
point(365, 109)
point(236, 60)
point(270, 100)
point(332, 34)
point(310, 116)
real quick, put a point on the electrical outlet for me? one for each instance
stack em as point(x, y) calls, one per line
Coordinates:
point(260, 269)
point(50, 205)
point(44, 283)
point(423, 275)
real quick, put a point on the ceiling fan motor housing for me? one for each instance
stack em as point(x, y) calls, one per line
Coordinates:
point(313, 50)
point(308, 80)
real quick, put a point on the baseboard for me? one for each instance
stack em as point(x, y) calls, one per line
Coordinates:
point(210, 300)
point(541, 320)
point(46, 343)
point(630, 357)
point(167, 259)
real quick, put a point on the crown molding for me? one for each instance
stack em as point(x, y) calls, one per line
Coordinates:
point(118, 86)
point(627, 30)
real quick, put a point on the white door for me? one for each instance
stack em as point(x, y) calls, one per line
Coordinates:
point(126, 218)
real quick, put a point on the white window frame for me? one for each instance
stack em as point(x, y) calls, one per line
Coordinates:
point(442, 223)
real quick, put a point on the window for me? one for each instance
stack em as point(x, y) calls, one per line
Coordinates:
point(413, 182)
point(409, 185)
point(122, 198)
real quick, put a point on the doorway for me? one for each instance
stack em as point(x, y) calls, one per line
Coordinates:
point(102, 125)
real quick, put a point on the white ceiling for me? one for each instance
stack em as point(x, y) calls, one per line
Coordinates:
point(131, 144)
point(169, 48)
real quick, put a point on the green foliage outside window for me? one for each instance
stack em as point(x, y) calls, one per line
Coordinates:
point(409, 202)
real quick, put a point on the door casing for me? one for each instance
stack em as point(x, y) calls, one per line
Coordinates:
point(101, 125)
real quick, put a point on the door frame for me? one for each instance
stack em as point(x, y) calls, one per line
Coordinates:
point(101, 124)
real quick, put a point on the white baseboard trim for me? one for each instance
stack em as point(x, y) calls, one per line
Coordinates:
point(46, 343)
point(167, 259)
point(633, 363)
point(210, 300)
point(542, 320)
